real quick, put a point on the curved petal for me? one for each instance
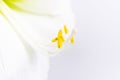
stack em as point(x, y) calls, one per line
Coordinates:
point(13, 55)
point(40, 30)
point(17, 60)
point(48, 7)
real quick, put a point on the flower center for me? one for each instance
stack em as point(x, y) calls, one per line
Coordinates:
point(60, 37)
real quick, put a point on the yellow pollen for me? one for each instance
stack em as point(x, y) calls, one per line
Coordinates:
point(72, 40)
point(59, 39)
point(65, 29)
point(62, 38)
point(60, 33)
point(60, 42)
point(55, 39)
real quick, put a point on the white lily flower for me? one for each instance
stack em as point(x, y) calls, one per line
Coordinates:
point(45, 25)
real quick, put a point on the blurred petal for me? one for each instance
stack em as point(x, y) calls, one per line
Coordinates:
point(17, 59)
point(39, 30)
point(48, 7)
point(13, 54)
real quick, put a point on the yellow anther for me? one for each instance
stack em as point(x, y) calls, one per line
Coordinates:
point(59, 39)
point(62, 38)
point(55, 39)
point(60, 42)
point(65, 29)
point(60, 33)
point(72, 40)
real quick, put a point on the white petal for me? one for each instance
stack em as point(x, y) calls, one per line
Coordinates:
point(40, 30)
point(17, 60)
point(48, 7)
point(13, 55)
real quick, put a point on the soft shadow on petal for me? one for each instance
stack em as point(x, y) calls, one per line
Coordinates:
point(13, 53)
point(40, 30)
point(17, 59)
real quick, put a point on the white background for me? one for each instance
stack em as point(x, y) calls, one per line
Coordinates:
point(96, 54)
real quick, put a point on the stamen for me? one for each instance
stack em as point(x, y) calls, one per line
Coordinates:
point(72, 40)
point(59, 42)
point(66, 29)
point(62, 38)
point(60, 33)
point(55, 39)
